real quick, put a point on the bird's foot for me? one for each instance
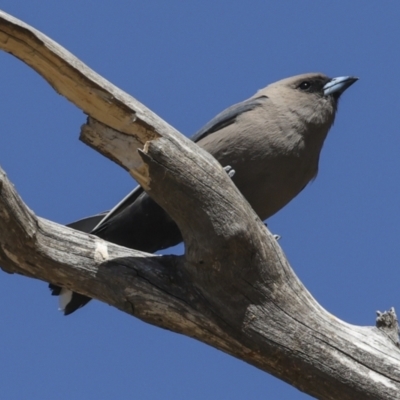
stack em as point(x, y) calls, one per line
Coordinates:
point(230, 171)
point(276, 237)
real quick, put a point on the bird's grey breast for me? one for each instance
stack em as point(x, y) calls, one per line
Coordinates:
point(267, 150)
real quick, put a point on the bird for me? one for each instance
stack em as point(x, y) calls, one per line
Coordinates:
point(271, 141)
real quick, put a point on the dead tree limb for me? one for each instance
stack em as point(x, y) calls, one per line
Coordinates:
point(233, 289)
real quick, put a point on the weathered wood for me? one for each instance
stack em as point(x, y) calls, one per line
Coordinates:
point(86, 89)
point(388, 323)
point(153, 288)
point(233, 289)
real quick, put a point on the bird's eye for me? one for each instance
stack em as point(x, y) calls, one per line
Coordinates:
point(305, 85)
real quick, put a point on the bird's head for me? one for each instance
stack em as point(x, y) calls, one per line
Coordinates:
point(313, 96)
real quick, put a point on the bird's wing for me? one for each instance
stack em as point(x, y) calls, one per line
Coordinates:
point(228, 117)
point(125, 202)
point(87, 224)
point(223, 119)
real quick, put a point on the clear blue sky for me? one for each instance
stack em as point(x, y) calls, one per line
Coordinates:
point(188, 60)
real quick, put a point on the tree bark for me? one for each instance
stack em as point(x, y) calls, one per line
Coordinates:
point(232, 289)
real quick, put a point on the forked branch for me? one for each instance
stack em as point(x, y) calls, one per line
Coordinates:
point(233, 288)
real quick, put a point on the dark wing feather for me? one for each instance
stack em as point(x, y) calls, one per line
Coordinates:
point(124, 203)
point(228, 117)
point(87, 224)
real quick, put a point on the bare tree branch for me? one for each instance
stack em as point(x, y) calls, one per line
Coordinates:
point(233, 288)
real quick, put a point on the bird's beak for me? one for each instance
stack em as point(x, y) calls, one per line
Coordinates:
point(337, 86)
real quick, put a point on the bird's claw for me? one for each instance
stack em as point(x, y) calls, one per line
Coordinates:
point(230, 171)
point(276, 237)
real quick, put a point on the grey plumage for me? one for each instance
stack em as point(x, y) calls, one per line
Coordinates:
point(273, 142)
